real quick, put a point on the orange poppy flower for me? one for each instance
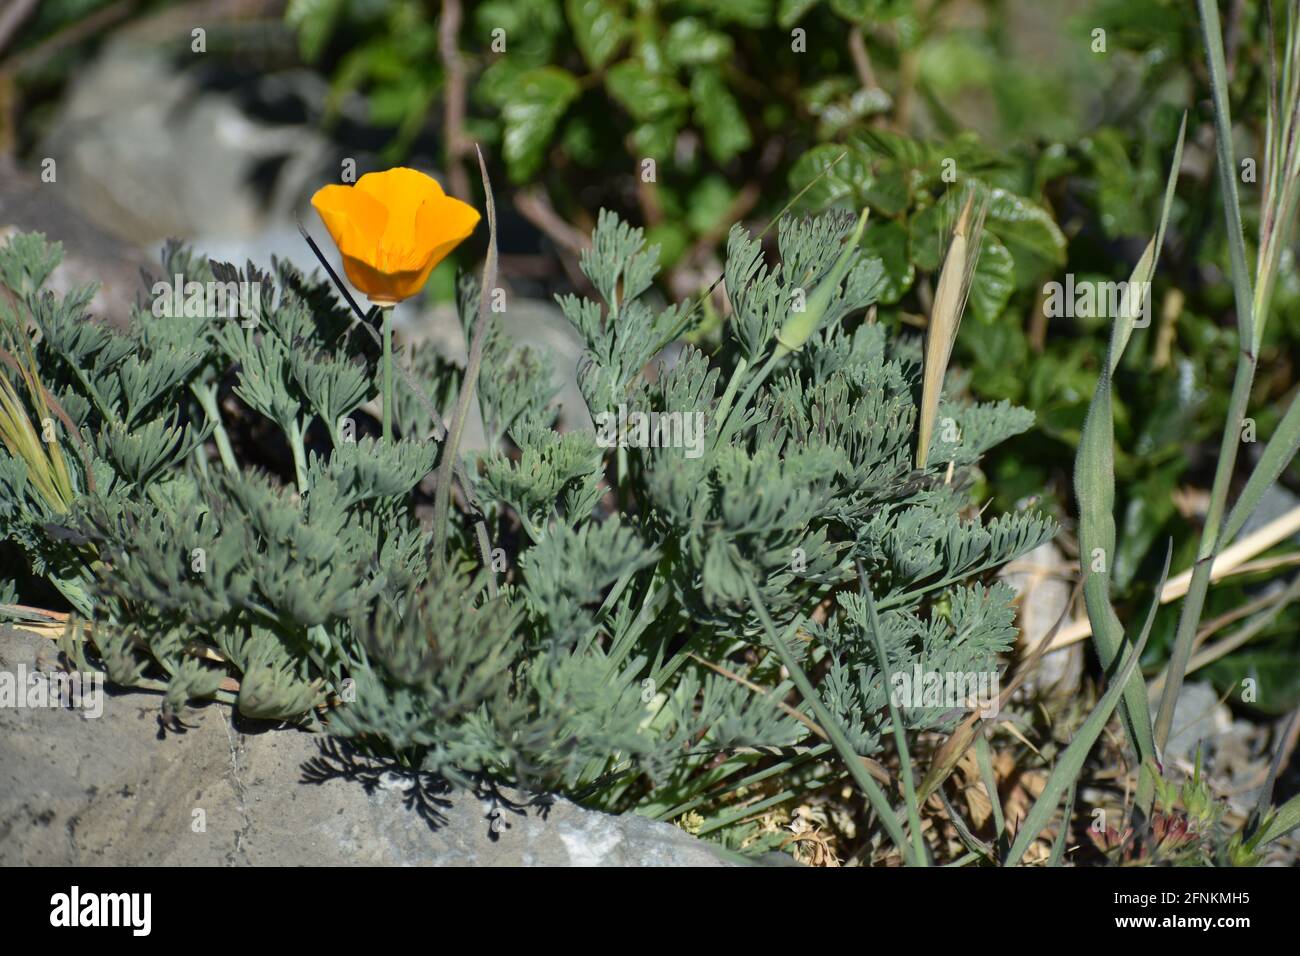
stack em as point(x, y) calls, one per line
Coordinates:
point(392, 228)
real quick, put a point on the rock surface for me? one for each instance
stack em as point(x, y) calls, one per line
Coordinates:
point(1042, 579)
point(90, 254)
point(118, 789)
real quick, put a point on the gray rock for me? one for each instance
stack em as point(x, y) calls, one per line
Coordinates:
point(1199, 719)
point(1235, 753)
point(1041, 579)
point(90, 254)
point(119, 790)
point(146, 152)
point(1275, 502)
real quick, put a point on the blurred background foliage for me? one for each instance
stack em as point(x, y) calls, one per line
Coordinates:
point(1067, 110)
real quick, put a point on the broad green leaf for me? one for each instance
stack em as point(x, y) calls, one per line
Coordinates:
point(531, 114)
point(1115, 182)
point(534, 28)
point(867, 177)
point(928, 231)
point(996, 351)
point(905, 150)
point(719, 116)
point(645, 95)
point(791, 11)
point(750, 13)
point(887, 190)
point(499, 82)
point(1016, 226)
point(315, 21)
point(1029, 233)
point(993, 282)
point(600, 28)
point(390, 105)
point(690, 42)
point(858, 10)
point(832, 181)
point(708, 204)
point(581, 141)
point(655, 138)
point(671, 238)
point(887, 240)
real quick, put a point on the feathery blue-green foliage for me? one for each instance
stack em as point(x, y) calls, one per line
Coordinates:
point(235, 517)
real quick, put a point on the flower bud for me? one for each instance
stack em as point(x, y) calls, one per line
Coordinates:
point(800, 326)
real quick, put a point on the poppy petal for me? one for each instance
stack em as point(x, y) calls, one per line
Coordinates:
point(393, 228)
point(355, 220)
point(444, 220)
point(402, 192)
point(381, 287)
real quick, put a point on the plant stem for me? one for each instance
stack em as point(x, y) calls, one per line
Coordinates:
point(724, 406)
point(984, 761)
point(1189, 617)
point(888, 818)
point(734, 417)
point(207, 398)
point(896, 719)
point(387, 314)
point(1250, 321)
point(295, 435)
point(451, 448)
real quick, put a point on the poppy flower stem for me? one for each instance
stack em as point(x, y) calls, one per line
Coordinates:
point(729, 396)
point(295, 434)
point(736, 415)
point(387, 314)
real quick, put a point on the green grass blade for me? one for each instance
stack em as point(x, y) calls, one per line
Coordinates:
point(1279, 451)
point(1241, 284)
point(896, 719)
point(1285, 819)
point(1280, 753)
point(984, 759)
point(964, 833)
point(1094, 482)
point(1250, 326)
point(658, 811)
point(1062, 836)
point(1066, 772)
point(876, 796)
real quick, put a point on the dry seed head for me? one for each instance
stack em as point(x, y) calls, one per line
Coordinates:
point(46, 468)
point(945, 316)
point(1281, 166)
